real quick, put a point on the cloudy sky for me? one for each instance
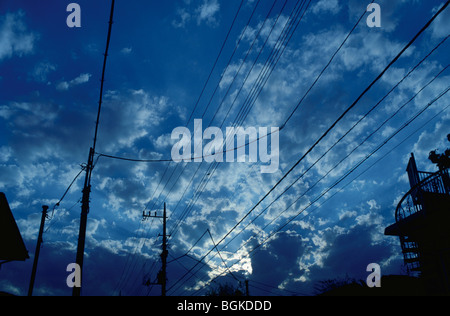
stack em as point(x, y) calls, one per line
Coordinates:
point(248, 63)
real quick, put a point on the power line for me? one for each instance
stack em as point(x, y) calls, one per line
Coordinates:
point(131, 262)
point(187, 209)
point(199, 166)
point(207, 176)
point(340, 117)
point(195, 106)
point(266, 80)
point(311, 187)
point(217, 59)
point(385, 155)
point(318, 77)
point(370, 135)
point(223, 261)
point(210, 100)
point(134, 159)
point(344, 134)
point(352, 128)
point(329, 129)
point(198, 100)
point(354, 167)
point(359, 175)
point(249, 253)
point(90, 164)
point(67, 191)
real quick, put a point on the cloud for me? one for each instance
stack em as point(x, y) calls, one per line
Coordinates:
point(42, 70)
point(325, 6)
point(373, 205)
point(64, 85)
point(433, 139)
point(48, 138)
point(441, 25)
point(126, 50)
point(5, 153)
point(15, 38)
point(204, 13)
point(26, 115)
point(345, 253)
point(207, 11)
point(183, 16)
point(131, 116)
point(278, 259)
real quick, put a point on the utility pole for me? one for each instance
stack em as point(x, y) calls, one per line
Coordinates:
point(38, 250)
point(162, 275)
point(83, 220)
point(164, 255)
point(89, 167)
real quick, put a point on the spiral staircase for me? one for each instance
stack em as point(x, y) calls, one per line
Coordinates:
point(422, 220)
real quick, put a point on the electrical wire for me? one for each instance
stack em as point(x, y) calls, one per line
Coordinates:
point(207, 176)
point(352, 128)
point(332, 126)
point(407, 123)
point(352, 169)
point(195, 106)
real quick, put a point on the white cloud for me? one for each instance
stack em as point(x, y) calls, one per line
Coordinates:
point(347, 214)
point(369, 52)
point(183, 18)
point(5, 112)
point(164, 141)
point(64, 85)
point(432, 139)
point(83, 78)
point(441, 25)
point(28, 114)
point(373, 205)
point(42, 70)
point(29, 227)
point(5, 153)
point(325, 6)
point(131, 116)
point(126, 50)
point(207, 11)
point(15, 39)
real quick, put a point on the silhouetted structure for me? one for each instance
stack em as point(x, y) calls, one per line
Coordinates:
point(12, 247)
point(422, 223)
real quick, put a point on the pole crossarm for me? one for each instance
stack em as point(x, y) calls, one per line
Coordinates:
point(162, 274)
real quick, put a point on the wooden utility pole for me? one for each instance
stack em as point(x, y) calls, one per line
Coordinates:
point(164, 255)
point(38, 250)
point(162, 275)
point(89, 167)
point(83, 219)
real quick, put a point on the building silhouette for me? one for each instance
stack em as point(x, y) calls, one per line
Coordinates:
point(12, 247)
point(422, 220)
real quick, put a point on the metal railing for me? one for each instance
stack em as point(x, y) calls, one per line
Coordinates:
point(412, 201)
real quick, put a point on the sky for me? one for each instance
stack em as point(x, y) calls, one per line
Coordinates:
point(170, 62)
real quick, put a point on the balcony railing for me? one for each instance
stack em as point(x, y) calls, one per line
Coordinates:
point(412, 202)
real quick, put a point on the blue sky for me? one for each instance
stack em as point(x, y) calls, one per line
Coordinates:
point(160, 57)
